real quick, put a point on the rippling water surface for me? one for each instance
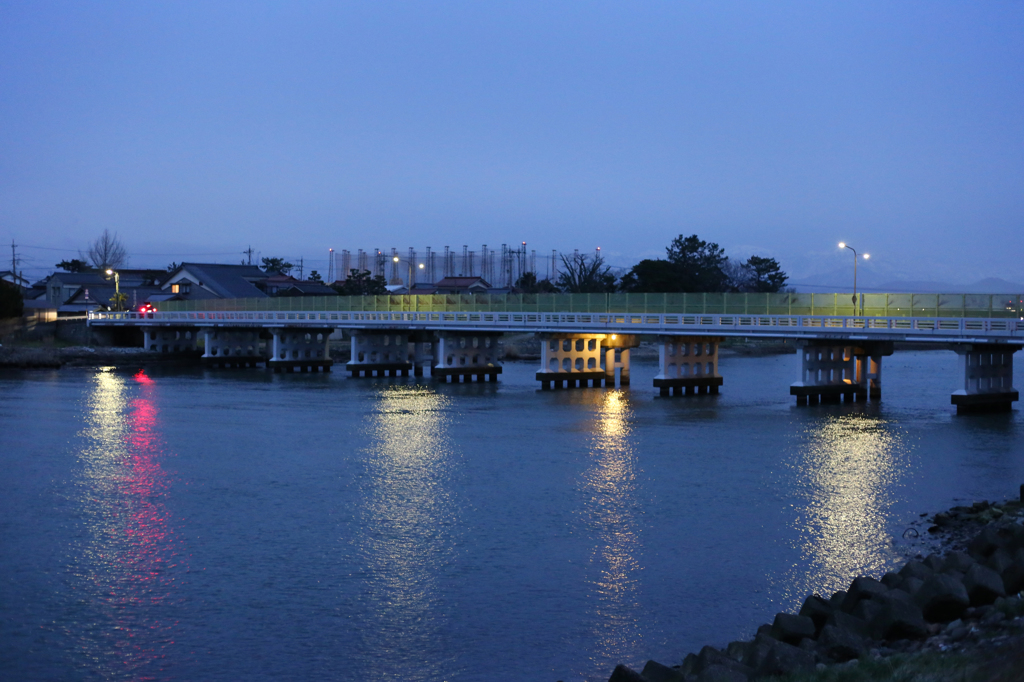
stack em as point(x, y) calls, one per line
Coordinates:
point(192, 525)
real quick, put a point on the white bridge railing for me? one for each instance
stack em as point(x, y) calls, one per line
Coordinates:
point(810, 326)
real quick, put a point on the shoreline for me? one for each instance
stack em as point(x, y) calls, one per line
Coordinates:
point(957, 613)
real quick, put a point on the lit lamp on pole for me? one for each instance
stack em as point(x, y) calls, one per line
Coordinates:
point(408, 284)
point(117, 287)
point(844, 245)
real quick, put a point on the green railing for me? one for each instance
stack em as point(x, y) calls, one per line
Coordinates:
point(874, 305)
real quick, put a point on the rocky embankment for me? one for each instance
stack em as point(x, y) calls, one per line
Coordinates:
point(957, 611)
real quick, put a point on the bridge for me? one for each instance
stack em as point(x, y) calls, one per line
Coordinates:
point(586, 338)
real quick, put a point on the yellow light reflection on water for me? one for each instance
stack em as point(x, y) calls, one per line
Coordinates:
point(848, 469)
point(410, 516)
point(610, 515)
point(122, 566)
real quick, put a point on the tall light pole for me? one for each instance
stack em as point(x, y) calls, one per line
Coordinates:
point(843, 245)
point(408, 284)
point(117, 287)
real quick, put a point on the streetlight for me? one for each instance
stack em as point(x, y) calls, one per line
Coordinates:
point(843, 245)
point(117, 287)
point(409, 263)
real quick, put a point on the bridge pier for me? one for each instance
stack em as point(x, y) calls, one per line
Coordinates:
point(380, 353)
point(170, 339)
point(300, 350)
point(461, 356)
point(987, 370)
point(421, 351)
point(831, 371)
point(687, 364)
point(574, 361)
point(225, 347)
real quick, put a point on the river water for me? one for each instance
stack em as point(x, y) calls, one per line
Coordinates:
point(182, 524)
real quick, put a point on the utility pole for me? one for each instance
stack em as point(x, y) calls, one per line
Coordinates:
point(249, 253)
point(300, 267)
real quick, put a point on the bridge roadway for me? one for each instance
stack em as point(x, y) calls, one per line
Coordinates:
point(840, 357)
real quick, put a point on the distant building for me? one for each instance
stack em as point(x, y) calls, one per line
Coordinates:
point(461, 285)
point(288, 286)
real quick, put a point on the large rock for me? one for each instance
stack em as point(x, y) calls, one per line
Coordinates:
point(983, 585)
point(892, 580)
point(957, 561)
point(899, 618)
point(709, 656)
point(985, 543)
point(1013, 576)
point(625, 674)
point(836, 602)
point(840, 644)
point(758, 651)
point(915, 569)
point(784, 659)
point(862, 588)
point(737, 651)
point(817, 609)
point(867, 609)
point(845, 621)
point(656, 672)
point(791, 629)
point(934, 562)
point(942, 598)
point(910, 586)
point(722, 673)
point(999, 561)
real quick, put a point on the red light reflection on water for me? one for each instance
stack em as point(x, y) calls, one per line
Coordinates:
point(134, 552)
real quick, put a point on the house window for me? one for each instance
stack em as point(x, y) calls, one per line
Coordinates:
point(175, 288)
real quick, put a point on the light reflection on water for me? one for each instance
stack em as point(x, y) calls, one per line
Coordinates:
point(406, 533)
point(850, 469)
point(610, 514)
point(122, 564)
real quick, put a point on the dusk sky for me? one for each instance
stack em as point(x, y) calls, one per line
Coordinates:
point(196, 129)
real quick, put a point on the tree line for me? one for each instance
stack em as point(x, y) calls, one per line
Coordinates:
point(691, 265)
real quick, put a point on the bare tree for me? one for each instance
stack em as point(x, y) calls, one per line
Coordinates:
point(585, 274)
point(107, 252)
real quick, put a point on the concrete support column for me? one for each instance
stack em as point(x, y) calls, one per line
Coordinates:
point(232, 347)
point(869, 376)
point(300, 350)
point(461, 356)
point(828, 372)
point(687, 364)
point(170, 339)
point(421, 351)
point(380, 353)
point(987, 375)
point(616, 359)
point(571, 360)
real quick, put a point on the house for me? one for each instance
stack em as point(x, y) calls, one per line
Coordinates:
point(191, 281)
point(14, 278)
point(462, 285)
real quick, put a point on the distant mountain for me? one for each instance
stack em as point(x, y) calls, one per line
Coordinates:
point(830, 282)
